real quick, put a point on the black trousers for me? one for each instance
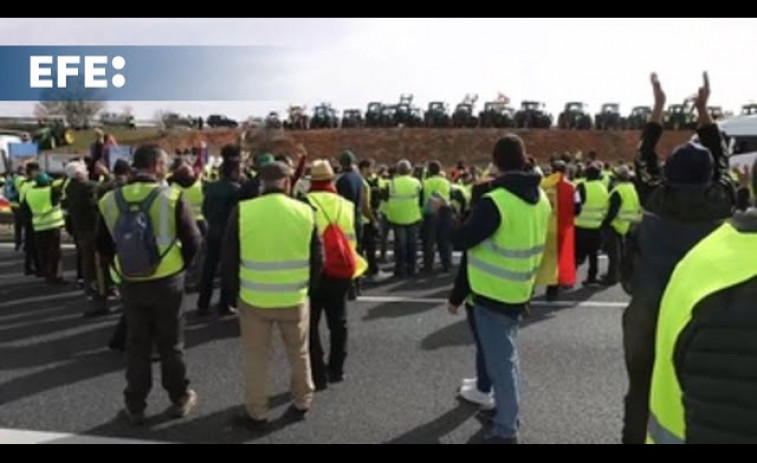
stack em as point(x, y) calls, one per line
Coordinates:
point(368, 245)
point(588, 242)
point(638, 349)
point(212, 259)
point(48, 252)
point(18, 227)
point(154, 316)
point(330, 298)
point(614, 242)
point(32, 263)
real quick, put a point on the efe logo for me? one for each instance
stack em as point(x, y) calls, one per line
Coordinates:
point(95, 71)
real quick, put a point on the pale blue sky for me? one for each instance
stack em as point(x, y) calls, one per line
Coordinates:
point(350, 62)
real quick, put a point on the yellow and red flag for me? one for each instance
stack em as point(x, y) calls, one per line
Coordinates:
point(558, 265)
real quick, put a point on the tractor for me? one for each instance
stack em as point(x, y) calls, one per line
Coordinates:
point(324, 117)
point(352, 118)
point(532, 114)
point(574, 116)
point(749, 109)
point(373, 114)
point(406, 114)
point(54, 132)
point(638, 117)
point(464, 115)
point(437, 115)
point(680, 116)
point(388, 116)
point(497, 114)
point(609, 118)
point(272, 121)
point(297, 120)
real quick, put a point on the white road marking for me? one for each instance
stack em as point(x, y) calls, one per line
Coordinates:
point(4, 246)
point(49, 297)
point(24, 436)
point(534, 303)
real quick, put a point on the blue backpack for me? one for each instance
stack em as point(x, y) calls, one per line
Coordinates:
point(133, 234)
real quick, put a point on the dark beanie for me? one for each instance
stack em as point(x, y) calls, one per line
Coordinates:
point(509, 153)
point(690, 163)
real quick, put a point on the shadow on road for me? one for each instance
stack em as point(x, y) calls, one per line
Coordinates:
point(222, 427)
point(398, 309)
point(433, 431)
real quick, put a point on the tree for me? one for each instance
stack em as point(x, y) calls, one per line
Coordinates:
point(78, 104)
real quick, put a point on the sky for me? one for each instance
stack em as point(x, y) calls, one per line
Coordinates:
point(350, 62)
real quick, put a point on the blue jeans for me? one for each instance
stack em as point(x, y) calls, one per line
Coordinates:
point(483, 382)
point(405, 244)
point(498, 333)
point(436, 232)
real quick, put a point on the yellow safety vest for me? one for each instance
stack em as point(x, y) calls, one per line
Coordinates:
point(25, 186)
point(606, 179)
point(18, 180)
point(339, 210)
point(274, 241)
point(504, 266)
point(436, 186)
point(630, 207)
point(402, 207)
point(45, 216)
point(721, 260)
point(163, 221)
point(195, 196)
point(594, 208)
point(383, 184)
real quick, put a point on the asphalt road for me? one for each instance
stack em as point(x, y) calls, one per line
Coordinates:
point(407, 356)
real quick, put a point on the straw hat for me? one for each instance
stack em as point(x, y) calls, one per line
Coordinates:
point(321, 170)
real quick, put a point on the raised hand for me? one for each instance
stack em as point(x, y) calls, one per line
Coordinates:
point(659, 94)
point(703, 95)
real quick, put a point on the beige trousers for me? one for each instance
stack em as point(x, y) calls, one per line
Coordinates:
point(257, 328)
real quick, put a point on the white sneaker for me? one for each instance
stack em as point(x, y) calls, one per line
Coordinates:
point(469, 382)
point(473, 395)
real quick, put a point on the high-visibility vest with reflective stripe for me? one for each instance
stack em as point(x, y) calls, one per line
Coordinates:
point(45, 216)
point(367, 193)
point(17, 180)
point(402, 207)
point(340, 210)
point(163, 222)
point(194, 195)
point(436, 185)
point(274, 241)
point(504, 266)
point(721, 260)
point(25, 186)
point(382, 185)
point(630, 208)
point(594, 208)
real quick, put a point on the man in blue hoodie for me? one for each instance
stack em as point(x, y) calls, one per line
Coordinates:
point(502, 258)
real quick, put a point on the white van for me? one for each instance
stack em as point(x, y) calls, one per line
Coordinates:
point(6, 138)
point(741, 136)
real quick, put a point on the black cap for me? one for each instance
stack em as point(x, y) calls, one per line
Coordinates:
point(274, 171)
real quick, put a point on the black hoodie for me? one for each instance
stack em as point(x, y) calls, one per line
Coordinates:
point(482, 223)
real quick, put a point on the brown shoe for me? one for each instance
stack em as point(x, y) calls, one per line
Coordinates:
point(184, 406)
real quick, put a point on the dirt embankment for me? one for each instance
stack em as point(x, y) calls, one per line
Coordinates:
point(446, 145)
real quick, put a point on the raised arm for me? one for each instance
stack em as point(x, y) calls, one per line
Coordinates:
point(647, 165)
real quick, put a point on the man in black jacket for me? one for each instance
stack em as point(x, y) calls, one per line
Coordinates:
point(682, 205)
point(221, 197)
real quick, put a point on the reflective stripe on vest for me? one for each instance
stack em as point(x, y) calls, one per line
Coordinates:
point(274, 244)
point(594, 208)
point(630, 208)
point(338, 209)
point(45, 216)
point(367, 193)
point(402, 207)
point(436, 185)
point(504, 267)
point(194, 196)
point(163, 220)
point(722, 260)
